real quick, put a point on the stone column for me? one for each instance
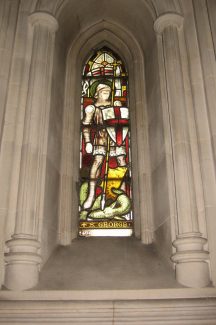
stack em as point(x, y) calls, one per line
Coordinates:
point(190, 257)
point(23, 259)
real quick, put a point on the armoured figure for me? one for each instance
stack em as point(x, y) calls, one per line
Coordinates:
point(108, 140)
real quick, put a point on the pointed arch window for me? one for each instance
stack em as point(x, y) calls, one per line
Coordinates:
point(105, 207)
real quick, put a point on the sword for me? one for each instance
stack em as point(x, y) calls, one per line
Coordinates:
point(103, 201)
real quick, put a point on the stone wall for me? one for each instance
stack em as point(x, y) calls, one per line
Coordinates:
point(158, 156)
point(49, 224)
point(175, 118)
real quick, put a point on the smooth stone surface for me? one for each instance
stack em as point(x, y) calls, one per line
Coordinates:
point(85, 266)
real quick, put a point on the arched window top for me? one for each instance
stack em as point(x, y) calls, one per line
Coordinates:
point(105, 158)
point(104, 62)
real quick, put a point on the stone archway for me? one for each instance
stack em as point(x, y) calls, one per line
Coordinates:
point(106, 34)
point(30, 213)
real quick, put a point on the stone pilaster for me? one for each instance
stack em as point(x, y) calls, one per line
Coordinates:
point(23, 259)
point(190, 257)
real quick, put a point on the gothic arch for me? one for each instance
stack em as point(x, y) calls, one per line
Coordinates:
point(135, 41)
point(155, 7)
point(119, 40)
point(138, 16)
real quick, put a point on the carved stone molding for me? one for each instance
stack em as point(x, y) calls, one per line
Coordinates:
point(189, 244)
point(166, 20)
point(22, 263)
point(191, 260)
point(105, 33)
point(44, 19)
point(156, 307)
point(23, 259)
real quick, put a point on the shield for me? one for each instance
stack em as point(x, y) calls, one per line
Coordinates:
point(103, 71)
point(116, 121)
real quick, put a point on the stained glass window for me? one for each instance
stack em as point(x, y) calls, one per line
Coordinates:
point(105, 173)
